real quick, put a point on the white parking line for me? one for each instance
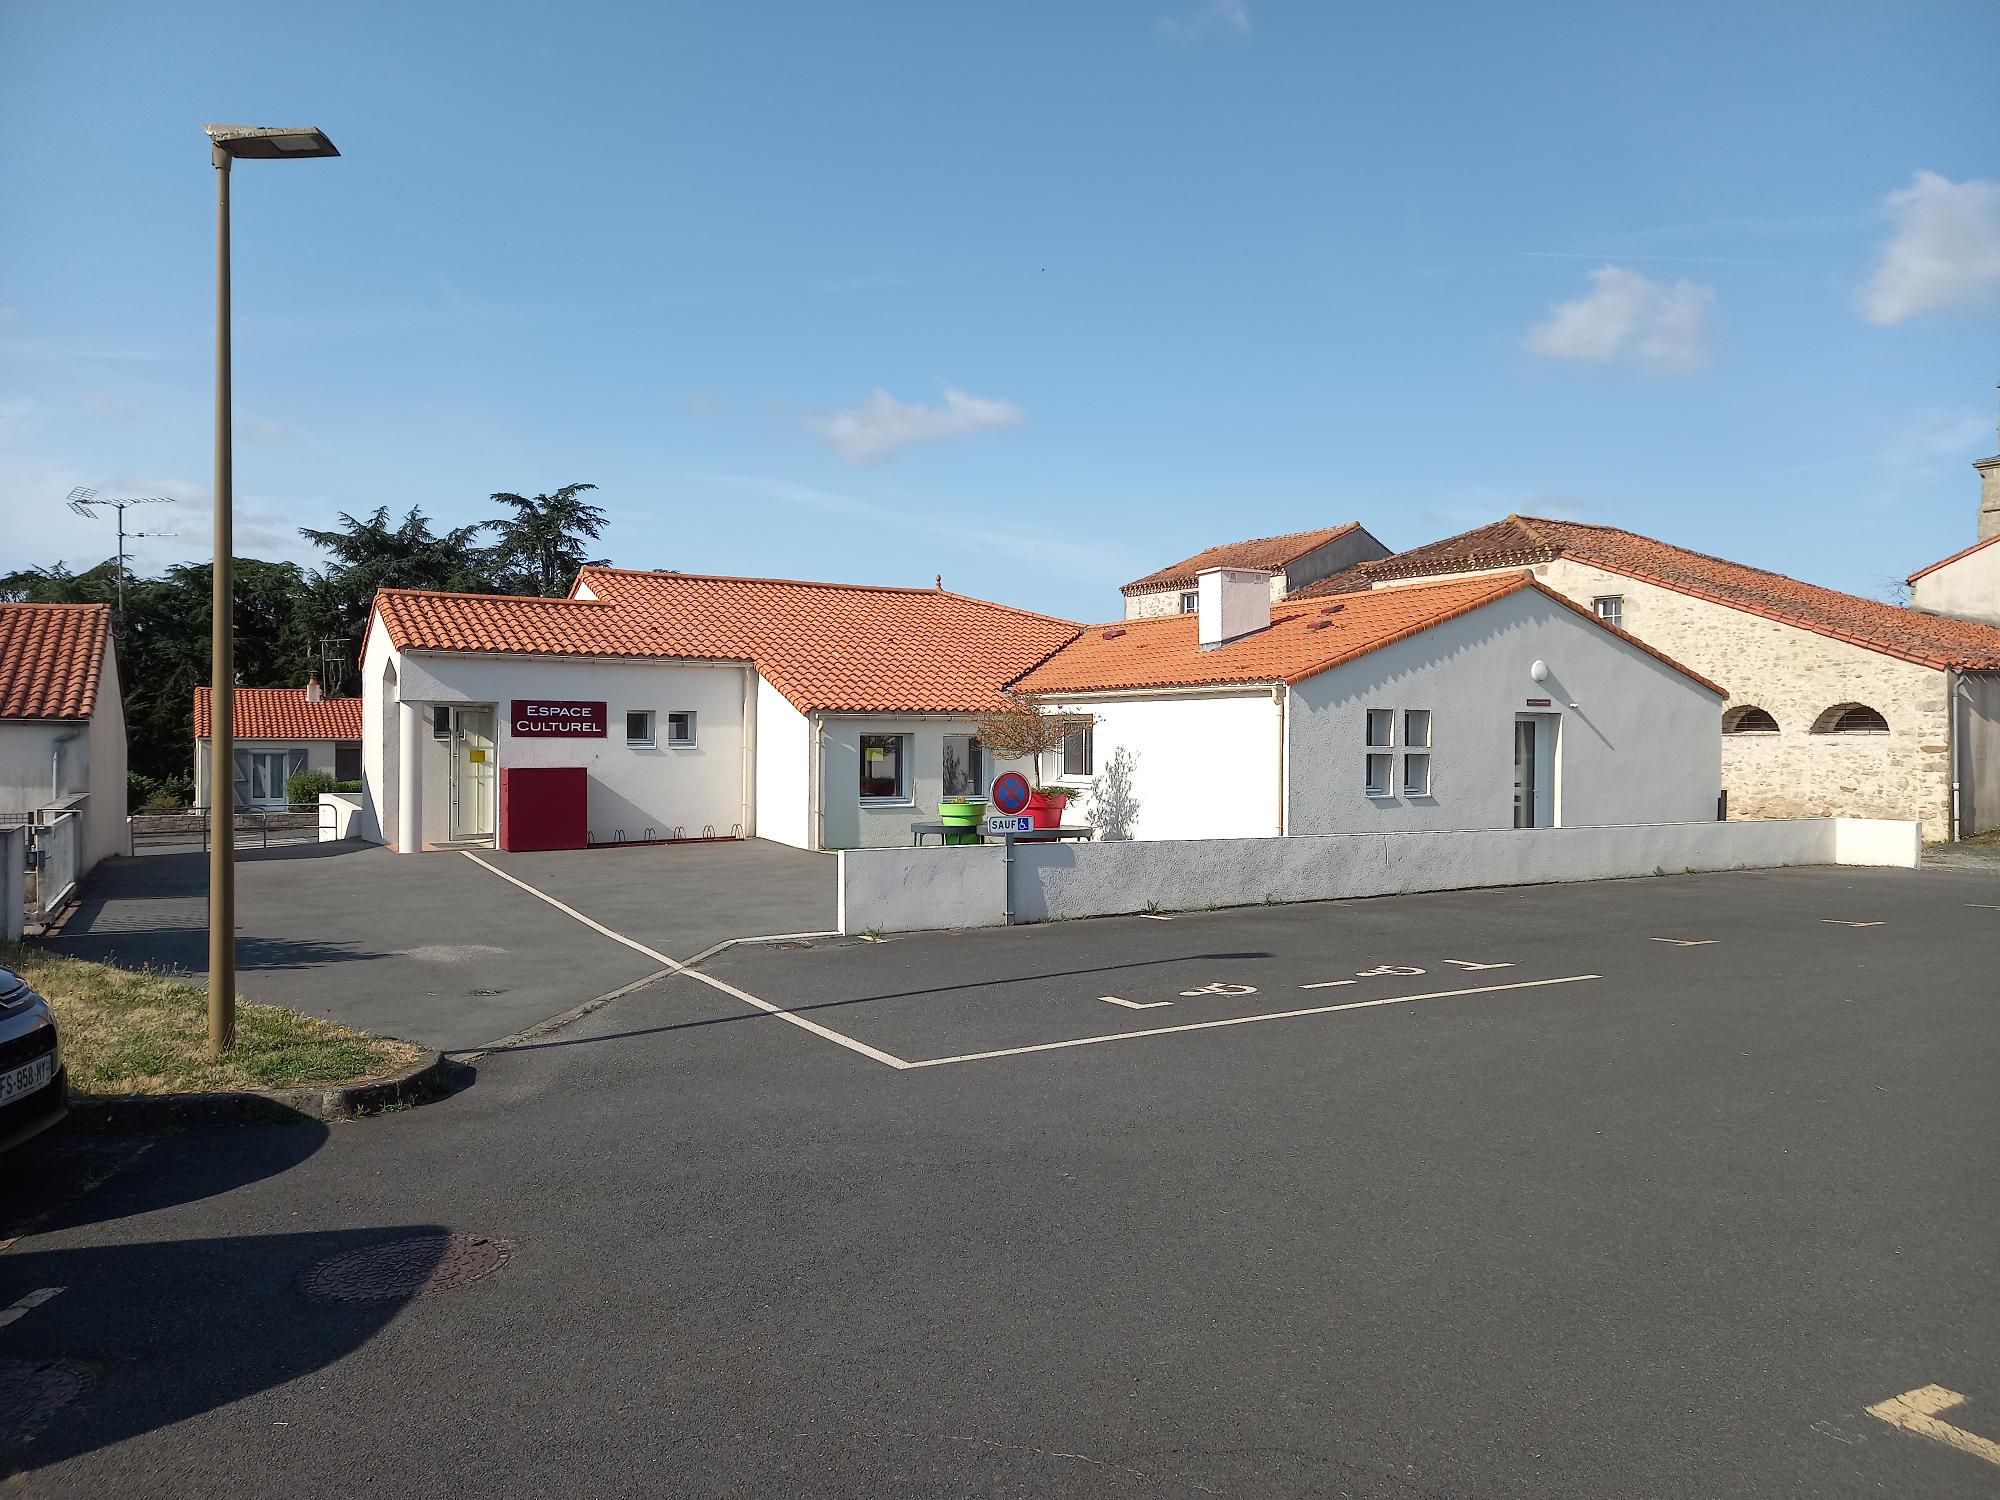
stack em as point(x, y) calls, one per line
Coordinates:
point(1134, 1004)
point(710, 980)
point(1327, 984)
point(1278, 1015)
point(27, 1304)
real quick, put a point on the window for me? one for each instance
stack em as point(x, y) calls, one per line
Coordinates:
point(1380, 769)
point(1190, 602)
point(1077, 751)
point(267, 776)
point(639, 727)
point(964, 766)
point(1747, 718)
point(884, 767)
point(1381, 726)
point(680, 728)
point(441, 721)
point(1850, 718)
point(1610, 608)
point(1417, 728)
point(1416, 775)
point(347, 762)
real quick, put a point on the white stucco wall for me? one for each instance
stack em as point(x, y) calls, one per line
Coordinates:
point(1968, 588)
point(93, 763)
point(1204, 766)
point(1979, 762)
point(1637, 741)
point(630, 788)
point(907, 890)
point(783, 770)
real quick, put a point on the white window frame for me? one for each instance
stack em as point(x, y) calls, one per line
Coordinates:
point(1386, 717)
point(1089, 753)
point(681, 742)
point(902, 796)
point(1190, 601)
point(652, 724)
point(1417, 773)
point(1413, 719)
point(1382, 786)
point(1615, 615)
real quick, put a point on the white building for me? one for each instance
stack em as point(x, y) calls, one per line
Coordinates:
point(1485, 703)
point(62, 720)
point(278, 733)
point(822, 715)
point(1839, 706)
point(1965, 585)
point(1294, 561)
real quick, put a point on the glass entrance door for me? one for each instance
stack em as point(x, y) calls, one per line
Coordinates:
point(472, 778)
point(1525, 774)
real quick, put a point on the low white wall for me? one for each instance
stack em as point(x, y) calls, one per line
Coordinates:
point(346, 819)
point(902, 890)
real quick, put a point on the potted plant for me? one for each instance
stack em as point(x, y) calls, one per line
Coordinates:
point(1023, 731)
point(963, 815)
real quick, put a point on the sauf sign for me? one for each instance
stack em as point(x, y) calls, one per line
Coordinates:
point(544, 716)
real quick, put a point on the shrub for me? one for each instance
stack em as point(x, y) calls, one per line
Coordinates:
point(347, 786)
point(157, 794)
point(305, 786)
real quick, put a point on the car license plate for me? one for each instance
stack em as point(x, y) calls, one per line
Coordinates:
point(27, 1078)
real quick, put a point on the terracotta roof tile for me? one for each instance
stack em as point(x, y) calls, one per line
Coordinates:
point(1929, 640)
point(51, 656)
point(1269, 553)
point(1944, 562)
point(1301, 641)
point(828, 646)
point(283, 714)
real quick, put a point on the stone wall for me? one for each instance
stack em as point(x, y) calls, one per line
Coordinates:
point(1796, 675)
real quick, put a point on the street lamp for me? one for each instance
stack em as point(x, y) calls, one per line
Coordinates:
point(226, 143)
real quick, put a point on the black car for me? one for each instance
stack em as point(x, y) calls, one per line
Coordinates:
point(34, 1085)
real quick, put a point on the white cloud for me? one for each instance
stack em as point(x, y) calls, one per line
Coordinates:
point(1665, 327)
point(1231, 16)
point(882, 424)
point(1945, 252)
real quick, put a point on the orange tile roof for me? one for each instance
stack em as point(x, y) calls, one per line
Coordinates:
point(283, 714)
point(837, 647)
point(1301, 641)
point(51, 656)
point(1518, 541)
point(1944, 562)
point(1269, 553)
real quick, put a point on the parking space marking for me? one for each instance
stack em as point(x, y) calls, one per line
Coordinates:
point(1916, 1411)
point(1466, 963)
point(825, 1033)
point(1134, 1004)
point(28, 1304)
point(1686, 942)
point(1326, 984)
point(1981, 906)
point(1153, 916)
point(1843, 922)
point(1277, 1015)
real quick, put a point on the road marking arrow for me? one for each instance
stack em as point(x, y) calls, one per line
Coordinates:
point(1916, 1411)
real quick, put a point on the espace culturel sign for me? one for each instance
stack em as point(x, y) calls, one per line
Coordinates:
point(544, 716)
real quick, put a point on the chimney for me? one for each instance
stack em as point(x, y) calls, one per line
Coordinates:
point(313, 690)
point(1989, 496)
point(1230, 602)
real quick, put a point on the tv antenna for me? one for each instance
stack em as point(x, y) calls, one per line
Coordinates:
point(86, 502)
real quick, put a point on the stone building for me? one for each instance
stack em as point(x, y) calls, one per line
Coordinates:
point(1838, 705)
point(1295, 561)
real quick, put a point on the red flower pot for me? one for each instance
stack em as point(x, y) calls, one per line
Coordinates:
point(1046, 811)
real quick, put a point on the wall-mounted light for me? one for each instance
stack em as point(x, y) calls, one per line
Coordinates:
point(1539, 671)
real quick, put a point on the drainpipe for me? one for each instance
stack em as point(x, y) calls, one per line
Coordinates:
point(55, 763)
point(1952, 741)
point(1282, 696)
point(816, 779)
point(747, 820)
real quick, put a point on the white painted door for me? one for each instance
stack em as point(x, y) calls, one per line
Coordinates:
point(472, 777)
point(1525, 777)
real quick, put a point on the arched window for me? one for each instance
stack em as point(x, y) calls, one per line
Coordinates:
point(1747, 718)
point(1850, 718)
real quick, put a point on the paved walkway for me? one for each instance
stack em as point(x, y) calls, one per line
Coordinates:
point(435, 947)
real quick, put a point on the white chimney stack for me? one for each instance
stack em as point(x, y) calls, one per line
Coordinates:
point(1230, 602)
point(313, 690)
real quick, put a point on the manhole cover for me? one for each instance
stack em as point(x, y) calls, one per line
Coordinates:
point(414, 1267)
point(32, 1391)
point(791, 947)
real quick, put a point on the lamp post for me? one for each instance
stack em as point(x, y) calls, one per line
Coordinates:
point(226, 144)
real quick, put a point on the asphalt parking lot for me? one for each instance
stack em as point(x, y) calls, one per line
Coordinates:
point(438, 948)
point(1664, 1216)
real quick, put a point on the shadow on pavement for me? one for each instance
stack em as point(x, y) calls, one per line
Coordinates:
point(142, 1336)
point(69, 1177)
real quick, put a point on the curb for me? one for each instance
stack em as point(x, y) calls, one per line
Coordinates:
point(430, 1078)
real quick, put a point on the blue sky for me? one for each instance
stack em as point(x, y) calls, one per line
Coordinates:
point(1037, 297)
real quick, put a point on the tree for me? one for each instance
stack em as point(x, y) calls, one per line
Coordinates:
point(539, 548)
point(1023, 731)
point(369, 554)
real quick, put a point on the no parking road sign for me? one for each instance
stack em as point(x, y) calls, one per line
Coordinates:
point(1010, 792)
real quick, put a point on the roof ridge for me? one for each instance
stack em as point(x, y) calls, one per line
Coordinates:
point(398, 589)
point(801, 583)
point(82, 604)
point(1985, 541)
